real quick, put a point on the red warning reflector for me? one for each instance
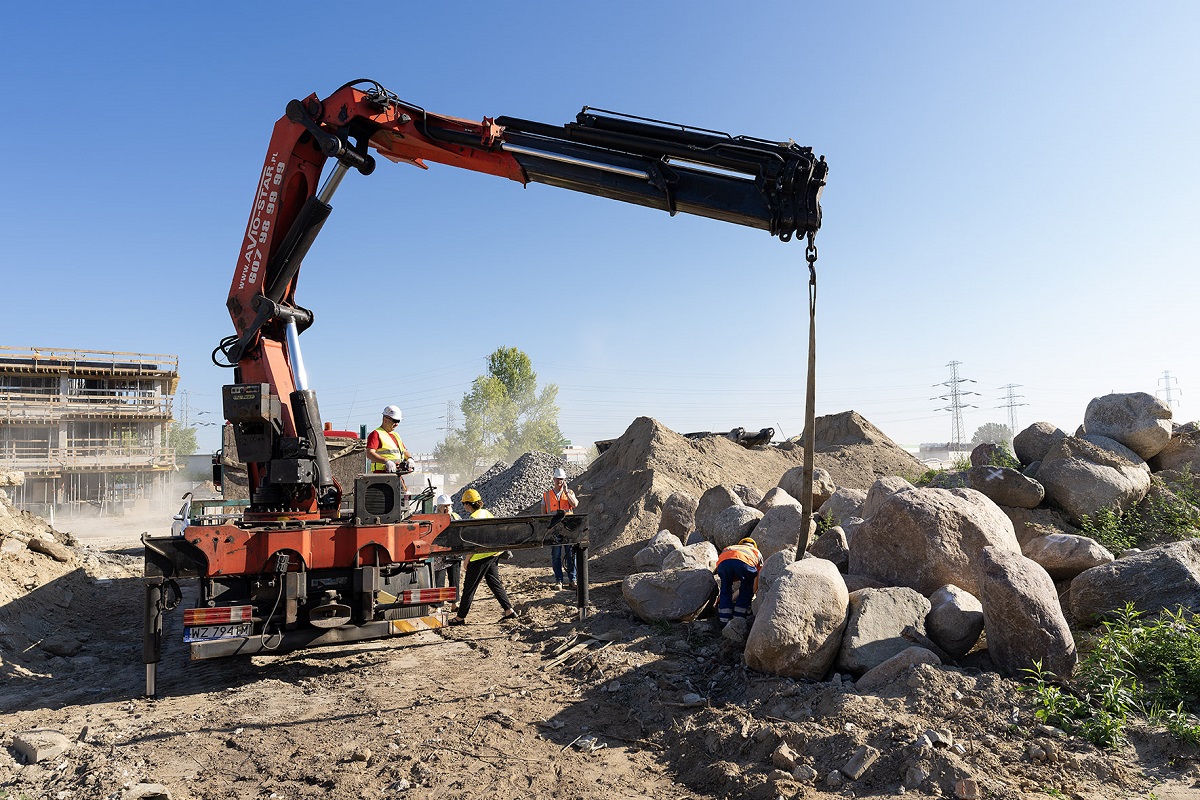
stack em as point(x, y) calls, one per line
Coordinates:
point(196, 617)
point(421, 596)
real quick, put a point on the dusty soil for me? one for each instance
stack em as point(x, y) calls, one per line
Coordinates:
point(491, 710)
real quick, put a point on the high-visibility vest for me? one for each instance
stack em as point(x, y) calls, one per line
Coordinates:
point(483, 513)
point(742, 552)
point(395, 452)
point(552, 502)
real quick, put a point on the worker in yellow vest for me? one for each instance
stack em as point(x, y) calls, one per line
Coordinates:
point(741, 563)
point(560, 498)
point(385, 450)
point(481, 567)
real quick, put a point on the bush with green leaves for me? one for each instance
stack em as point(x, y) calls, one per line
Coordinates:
point(1132, 666)
point(1160, 517)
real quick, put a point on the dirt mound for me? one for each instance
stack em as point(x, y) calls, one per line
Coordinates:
point(508, 491)
point(624, 489)
point(29, 525)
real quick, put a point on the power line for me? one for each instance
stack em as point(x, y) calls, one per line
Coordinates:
point(1166, 391)
point(957, 404)
point(1011, 404)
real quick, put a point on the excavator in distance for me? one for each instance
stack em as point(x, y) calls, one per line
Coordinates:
point(311, 562)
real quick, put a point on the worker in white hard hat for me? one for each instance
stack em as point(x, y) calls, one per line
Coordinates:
point(442, 504)
point(559, 498)
point(385, 450)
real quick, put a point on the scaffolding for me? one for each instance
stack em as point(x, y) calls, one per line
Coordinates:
point(88, 428)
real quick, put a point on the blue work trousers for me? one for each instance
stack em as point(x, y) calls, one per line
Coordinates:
point(729, 571)
point(563, 555)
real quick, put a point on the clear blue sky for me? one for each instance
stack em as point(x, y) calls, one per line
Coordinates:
point(1013, 186)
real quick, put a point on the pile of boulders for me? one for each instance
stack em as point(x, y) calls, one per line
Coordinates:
point(904, 575)
point(512, 490)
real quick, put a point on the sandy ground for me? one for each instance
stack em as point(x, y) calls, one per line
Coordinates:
point(544, 707)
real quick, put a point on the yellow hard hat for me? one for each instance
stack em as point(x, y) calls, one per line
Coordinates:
point(471, 496)
point(750, 542)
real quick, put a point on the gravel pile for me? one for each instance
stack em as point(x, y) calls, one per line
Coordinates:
point(509, 490)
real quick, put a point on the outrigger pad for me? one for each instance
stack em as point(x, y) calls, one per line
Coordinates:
point(514, 533)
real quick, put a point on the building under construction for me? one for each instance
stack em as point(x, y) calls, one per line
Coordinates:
point(88, 428)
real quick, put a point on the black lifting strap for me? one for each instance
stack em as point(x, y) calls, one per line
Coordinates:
point(806, 499)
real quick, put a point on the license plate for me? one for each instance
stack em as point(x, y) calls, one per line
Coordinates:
point(241, 629)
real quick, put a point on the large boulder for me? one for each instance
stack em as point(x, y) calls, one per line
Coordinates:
point(1034, 442)
point(1115, 447)
point(701, 555)
point(660, 545)
point(1082, 478)
point(1064, 555)
point(792, 482)
point(875, 625)
point(926, 538)
point(843, 504)
point(832, 546)
point(955, 620)
point(896, 666)
point(679, 515)
point(1022, 616)
point(773, 569)
point(1182, 450)
point(776, 497)
point(880, 491)
point(1162, 577)
point(1138, 420)
point(747, 494)
point(1005, 486)
point(779, 529)
point(985, 453)
point(799, 627)
point(733, 524)
point(711, 504)
point(675, 595)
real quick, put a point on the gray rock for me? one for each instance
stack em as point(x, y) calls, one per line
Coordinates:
point(843, 505)
point(676, 595)
point(792, 482)
point(856, 582)
point(147, 791)
point(1083, 479)
point(11, 546)
point(1006, 487)
point(926, 538)
point(40, 744)
point(1181, 450)
point(1032, 470)
point(1022, 616)
point(1159, 578)
point(983, 454)
point(679, 514)
point(733, 524)
point(1034, 442)
point(955, 620)
point(832, 546)
point(1116, 448)
point(798, 630)
point(656, 550)
point(776, 497)
point(701, 555)
point(785, 758)
point(849, 527)
point(880, 491)
point(1064, 555)
point(779, 529)
point(1138, 420)
point(773, 569)
point(736, 630)
point(874, 625)
point(860, 762)
point(711, 504)
point(59, 645)
point(896, 666)
point(748, 494)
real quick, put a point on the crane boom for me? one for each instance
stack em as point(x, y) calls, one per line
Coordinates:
point(773, 186)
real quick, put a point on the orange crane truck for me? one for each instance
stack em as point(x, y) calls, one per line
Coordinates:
point(301, 567)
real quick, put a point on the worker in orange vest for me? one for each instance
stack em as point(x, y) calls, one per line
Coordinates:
point(560, 498)
point(740, 562)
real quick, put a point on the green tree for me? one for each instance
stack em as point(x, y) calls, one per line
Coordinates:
point(504, 416)
point(183, 440)
point(994, 432)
